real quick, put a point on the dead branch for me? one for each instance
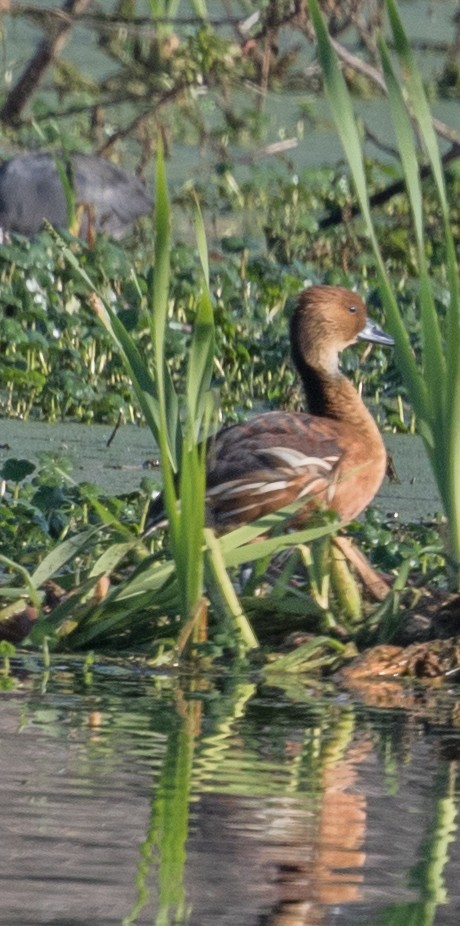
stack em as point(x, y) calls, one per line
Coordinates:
point(48, 50)
point(398, 186)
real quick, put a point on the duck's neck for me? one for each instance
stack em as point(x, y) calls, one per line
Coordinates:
point(331, 395)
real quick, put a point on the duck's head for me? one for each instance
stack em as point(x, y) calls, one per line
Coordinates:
point(326, 320)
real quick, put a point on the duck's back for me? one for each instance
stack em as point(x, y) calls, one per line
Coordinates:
point(278, 458)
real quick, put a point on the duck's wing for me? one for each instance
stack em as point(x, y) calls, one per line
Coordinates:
point(267, 463)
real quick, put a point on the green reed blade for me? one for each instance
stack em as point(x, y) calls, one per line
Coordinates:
point(189, 545)
point(433, 391)
point(199, 409)
point(420, 107)
point(418, 98)
point(219, 581)
point(447, 444)
point(200, 234)
point(143, 383)
point(342, 110)
point(250, 553)
point(200, 361)
point(63, 553)
point(434, 366)
point(201, 357)
point(64, 169)
point(168, 442)
point(111, 558)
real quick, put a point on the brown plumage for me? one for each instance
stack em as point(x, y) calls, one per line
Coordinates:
point(331, 457)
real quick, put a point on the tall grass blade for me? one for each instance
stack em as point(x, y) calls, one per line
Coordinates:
point(29, 583)
point(184, 496)
point(168, 442)
point(435, 389)
point(199, 405)
point(219, 580)
point(434, 362)
point(66, 551)
point(143, 383)
point(201, 358)
point(65, 174)
point(250, 553)
point(418, 100)
point(189, 544)
point(447, 444)
point(341, 106)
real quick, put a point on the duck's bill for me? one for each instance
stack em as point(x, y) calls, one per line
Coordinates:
point(373, 332)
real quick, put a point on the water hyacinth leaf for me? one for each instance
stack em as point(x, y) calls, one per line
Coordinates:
point(14, 470)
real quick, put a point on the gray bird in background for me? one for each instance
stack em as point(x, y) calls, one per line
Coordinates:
point(31, 191)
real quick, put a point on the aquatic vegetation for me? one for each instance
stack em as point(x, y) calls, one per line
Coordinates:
point(77, 555)
point(433, 384)
point(125, 593)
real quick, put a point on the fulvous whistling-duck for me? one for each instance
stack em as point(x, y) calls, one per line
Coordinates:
point(332, 456)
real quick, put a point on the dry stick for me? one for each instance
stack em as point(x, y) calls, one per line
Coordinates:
point(118, 423)
point(376, 76)
point(336, 217)
point(48, 49)
point(134, 25)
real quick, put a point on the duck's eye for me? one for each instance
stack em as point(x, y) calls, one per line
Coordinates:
point(352, 309)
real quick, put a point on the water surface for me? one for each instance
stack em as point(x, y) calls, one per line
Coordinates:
point(120, 467)
point(132, 797)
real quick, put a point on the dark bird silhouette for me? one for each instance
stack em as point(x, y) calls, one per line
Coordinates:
point(31, 191)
